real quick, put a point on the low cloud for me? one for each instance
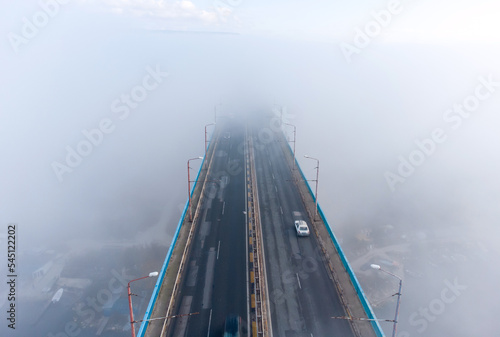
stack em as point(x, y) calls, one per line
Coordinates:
point(179, 15)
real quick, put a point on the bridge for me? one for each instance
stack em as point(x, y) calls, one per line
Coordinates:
point(236, 253)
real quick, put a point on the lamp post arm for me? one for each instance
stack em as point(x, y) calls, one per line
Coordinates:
point(388, 272)
point(137, 279)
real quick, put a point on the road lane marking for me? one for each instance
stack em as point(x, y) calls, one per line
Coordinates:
point(209, 323)
point(182, 321)
point(281, 209)
point(218, 248)
point(209, 279)
point(276, 188)
point(298, 280)
point(223, 207)
point(193, 273)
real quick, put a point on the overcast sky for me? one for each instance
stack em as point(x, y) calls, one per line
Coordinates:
point(365, 82)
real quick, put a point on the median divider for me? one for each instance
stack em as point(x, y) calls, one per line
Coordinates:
point(259, 297)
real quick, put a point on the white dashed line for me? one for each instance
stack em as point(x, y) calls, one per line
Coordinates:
point(209, 323)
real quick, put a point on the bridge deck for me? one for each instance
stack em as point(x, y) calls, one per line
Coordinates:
point(307, 281)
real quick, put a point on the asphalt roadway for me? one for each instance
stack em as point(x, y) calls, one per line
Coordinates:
point(303, 298)
point(215, 285)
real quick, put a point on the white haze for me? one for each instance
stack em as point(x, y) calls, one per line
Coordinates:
point(357, 118)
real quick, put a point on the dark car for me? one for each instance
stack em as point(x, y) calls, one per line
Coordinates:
point(232, 326)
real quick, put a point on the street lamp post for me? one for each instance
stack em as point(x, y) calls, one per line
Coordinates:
point(189, 189)
point(395, 327)
point(215, 112)
point(317, 178)
point(294, 141)
point(206, 139)
point(155, 273)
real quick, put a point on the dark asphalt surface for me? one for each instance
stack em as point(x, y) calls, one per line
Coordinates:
point(302, 297)
point(216, 281)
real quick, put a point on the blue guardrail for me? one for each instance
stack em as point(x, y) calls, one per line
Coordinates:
point(354, 280)
point(159, 282)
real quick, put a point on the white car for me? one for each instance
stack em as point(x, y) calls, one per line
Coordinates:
point(301, 228)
